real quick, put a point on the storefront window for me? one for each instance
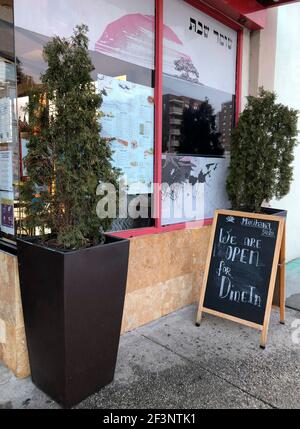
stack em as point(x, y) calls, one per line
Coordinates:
point(193, 102)
point(9, 148)
point(199, 78)
point(121, 37)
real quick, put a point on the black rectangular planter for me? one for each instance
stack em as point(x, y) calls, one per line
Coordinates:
point(73, 306)
point(274, 212)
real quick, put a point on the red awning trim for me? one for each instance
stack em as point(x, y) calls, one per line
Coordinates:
point(250, 13)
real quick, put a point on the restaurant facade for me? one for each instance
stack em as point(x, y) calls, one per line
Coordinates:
point(175, 75)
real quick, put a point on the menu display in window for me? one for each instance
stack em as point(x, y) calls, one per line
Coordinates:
point(7, 71)
point(5, 120)
point(128, 119)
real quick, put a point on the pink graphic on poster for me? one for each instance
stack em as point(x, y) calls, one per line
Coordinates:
point(131, 38)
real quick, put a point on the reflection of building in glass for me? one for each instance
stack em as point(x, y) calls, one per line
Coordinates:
point(173, 109)
point(225, 123)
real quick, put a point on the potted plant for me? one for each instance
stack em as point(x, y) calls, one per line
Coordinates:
point(262, 152)
point(72, 275)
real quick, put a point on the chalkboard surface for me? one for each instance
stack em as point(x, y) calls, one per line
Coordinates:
point(240, 266)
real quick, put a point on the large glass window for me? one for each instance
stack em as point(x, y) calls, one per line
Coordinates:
point(121, 37)
point(198, 100)
point(9, 148)
point(199, 78)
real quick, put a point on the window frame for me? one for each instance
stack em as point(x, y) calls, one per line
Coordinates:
point(158, 228)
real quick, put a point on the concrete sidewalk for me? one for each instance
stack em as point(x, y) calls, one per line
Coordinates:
point(171, 363)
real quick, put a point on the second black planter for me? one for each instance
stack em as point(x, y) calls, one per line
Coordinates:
point(73, 306)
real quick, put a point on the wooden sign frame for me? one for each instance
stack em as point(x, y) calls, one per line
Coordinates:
point(278, 266)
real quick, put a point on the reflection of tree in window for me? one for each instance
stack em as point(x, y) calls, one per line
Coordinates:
point(24, 81)
point(199, 133)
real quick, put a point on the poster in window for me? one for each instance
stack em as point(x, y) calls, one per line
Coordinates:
point(7, 213)
point(193, 187)
point(6, 170)
point(128, 119)
point(5, 120)
point(198, 48)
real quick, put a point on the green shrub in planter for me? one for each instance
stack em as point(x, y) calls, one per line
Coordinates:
point(66, 155)
point(73, 284)
point(262, 152)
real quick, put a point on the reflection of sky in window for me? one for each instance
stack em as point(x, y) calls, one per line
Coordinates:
point(50, 17)
point(29, 48)
point(179, 87)
point(37, 21)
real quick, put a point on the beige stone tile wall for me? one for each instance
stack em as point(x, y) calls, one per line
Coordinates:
point(164, 274)
point(13, 347)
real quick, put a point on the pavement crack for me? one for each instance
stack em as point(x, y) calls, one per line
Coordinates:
point(191, 362)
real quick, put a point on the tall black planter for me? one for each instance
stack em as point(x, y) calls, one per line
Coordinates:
point(274, 212)
point(73, 306)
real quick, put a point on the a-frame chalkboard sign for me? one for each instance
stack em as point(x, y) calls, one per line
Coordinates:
point(244, 254)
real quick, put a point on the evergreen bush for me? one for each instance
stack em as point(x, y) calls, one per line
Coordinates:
point(66, 155)
point(262, 152)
